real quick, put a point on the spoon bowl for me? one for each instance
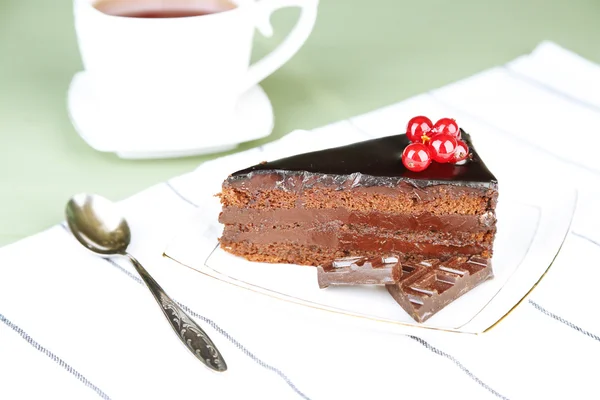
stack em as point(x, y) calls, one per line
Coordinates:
point(99, 226)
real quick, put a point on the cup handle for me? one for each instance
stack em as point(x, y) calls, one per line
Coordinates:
point(290, 45)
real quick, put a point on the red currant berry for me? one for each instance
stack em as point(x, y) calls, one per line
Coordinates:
point(417, 128)
point(461, 152)
point(442, 147)
point(416, 157)
point(447, 126)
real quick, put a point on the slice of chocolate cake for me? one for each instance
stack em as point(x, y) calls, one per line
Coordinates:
point(359, 200)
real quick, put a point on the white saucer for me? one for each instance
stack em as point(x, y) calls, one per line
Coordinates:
point(105, 131)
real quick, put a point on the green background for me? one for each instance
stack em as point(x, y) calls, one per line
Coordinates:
point(361, 56)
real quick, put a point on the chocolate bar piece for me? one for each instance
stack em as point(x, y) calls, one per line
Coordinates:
point(360, 271)
point(427, 287)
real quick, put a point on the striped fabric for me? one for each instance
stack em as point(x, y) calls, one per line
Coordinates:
point(73, 325)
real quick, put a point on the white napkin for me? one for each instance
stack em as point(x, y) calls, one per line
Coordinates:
point(76, 326)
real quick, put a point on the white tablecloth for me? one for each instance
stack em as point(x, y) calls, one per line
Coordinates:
point(73, 325)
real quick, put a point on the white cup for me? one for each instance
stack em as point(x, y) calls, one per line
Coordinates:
point(189, 71)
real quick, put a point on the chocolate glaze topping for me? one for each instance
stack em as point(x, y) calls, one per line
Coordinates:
point(377, 162)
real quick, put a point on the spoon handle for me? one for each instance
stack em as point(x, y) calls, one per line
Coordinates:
point(194, 337)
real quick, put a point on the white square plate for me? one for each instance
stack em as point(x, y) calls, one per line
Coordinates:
point(532, 225)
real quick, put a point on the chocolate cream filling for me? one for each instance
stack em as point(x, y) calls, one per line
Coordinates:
point(315, 217)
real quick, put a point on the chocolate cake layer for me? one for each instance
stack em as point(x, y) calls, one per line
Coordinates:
point(294, 253)
point(385, 220)
point(288, 253)
point(439, 201)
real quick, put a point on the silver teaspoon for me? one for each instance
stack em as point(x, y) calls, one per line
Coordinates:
point(98, 225)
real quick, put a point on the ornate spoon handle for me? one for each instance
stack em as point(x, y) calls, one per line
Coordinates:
point(194, 338)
